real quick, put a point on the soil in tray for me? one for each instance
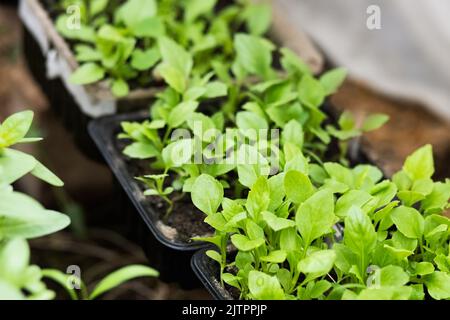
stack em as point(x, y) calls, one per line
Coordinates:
point(184, 222)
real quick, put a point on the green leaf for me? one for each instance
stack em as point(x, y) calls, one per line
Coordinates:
point(258, 17)
point(277, 256)
point(22, 216)
point(438, 285)
point(178, 153)
point(120, 88)
point(14, 165)
point(360, 236)
point(250, 124)
point(97, 6)
point(277, 223)
point(258, 199)
point(374, 122)
point(332, 80)
point(207, 194)
point(174, 77)
point(251, 165)
point(196, 8)
point(15, 128)
point(10, 292)
point(438, 199)
point(420, 165)
point(351, 198)
point(88, 73)
point(243, 243)
point(63, 280)
point(151, 27)
point(42, 172)
point(140, 150)
point(14, 259)
point(181, 113)
point(317, 264)
point(409, 221)
point(293, 133)
point(84, 33)
point(215, 256)
point(216, 89)
point(120, 276)
point(85, 53)
point(340, 174)
point(254, 54)
point(144, 60)
point(264, 287)
point(132, 12)
point(298, 187)
point(311, 92)
point(393, 276)
point(176, 56)
point(315, 217)
point(424, 268)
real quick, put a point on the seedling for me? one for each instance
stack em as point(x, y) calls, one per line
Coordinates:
point(286, 242)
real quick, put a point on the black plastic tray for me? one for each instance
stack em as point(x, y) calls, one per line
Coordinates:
point(208, 271)
point(171, 257)
point(60, 100)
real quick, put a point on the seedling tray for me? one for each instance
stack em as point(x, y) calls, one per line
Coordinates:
point(170, 255)
point(51, 63)
point(208, 273)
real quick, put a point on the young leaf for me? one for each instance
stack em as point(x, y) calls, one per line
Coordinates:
point(311, 92)
point(258, 198)
point(360, 236)
point(120, 276)
point(276, 223)
point(14, 165)
point(293, 133)
point(40, 171)
point(15, 128)
point(315, 216)
point(259, 18)
point(298, 187)
point(332, 80)
point(176, 56)
point(420, 165)
point(207, 194)
point(243, 243)
point(277, 256)
point(140, 150)
point(144, 60)
point(264, 287)
point(254, 54)
point(409, 221)
point(133, 12)
point(438, 285)
point(374, 122)
point(25, 218)
point(317, 264)
point(87, 73)
point(120, 88)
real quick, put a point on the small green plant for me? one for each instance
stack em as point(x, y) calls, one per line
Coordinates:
point(395, 242)
point(77, 289)
point(118, 41)
point(22, 217)
point(268, 116)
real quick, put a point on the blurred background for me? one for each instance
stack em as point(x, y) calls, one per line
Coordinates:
point(395, 50)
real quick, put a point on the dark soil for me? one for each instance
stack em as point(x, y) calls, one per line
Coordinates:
point(184, 222)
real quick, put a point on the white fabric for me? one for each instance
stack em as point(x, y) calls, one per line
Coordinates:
point(409, 57)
